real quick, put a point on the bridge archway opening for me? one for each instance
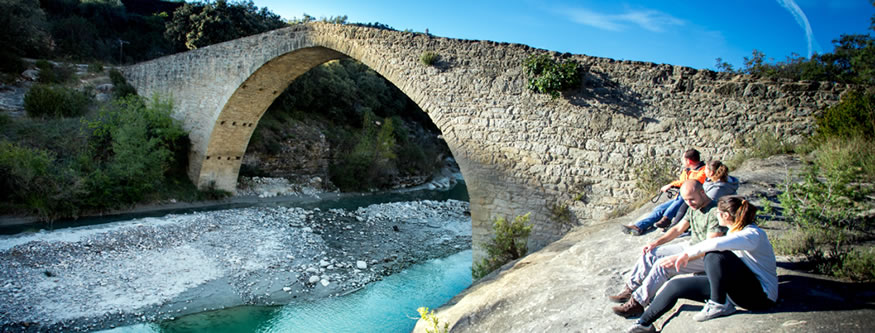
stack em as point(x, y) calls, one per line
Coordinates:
point(265, 97)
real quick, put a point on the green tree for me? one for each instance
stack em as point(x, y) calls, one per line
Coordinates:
point(133, 145)
point(200, 24)
point(25, 29)
point(509, 242)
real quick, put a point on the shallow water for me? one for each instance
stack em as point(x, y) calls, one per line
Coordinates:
point(384, 306)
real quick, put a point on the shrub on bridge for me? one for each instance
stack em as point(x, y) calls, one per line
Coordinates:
point(428, 58)
point(49, 101)
point(546, 76)
point(510, 242)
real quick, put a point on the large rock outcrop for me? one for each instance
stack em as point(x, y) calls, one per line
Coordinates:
point(564, 286)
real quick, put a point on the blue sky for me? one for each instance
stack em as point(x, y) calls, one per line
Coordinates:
point(679, 32)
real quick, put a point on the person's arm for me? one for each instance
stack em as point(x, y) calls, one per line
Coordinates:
point(666, 187)
point(678, 260)
point(669, 235)
point(745, 240)
point(677, 183)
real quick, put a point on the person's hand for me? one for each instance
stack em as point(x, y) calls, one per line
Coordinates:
point(649, 247)
point(665, 188)
point(677, 261)
point(667, 262)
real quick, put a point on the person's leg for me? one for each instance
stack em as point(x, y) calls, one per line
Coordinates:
point(673, 207)
point(682, 210)
point(694, 287)
point(649, 278)
point(646, 261)
point(654, 216)
point(728, 275)
point(658, 276)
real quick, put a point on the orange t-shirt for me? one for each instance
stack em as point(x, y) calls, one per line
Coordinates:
point(698, 174)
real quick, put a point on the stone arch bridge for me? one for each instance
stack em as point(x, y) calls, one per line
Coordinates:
point(518, 151)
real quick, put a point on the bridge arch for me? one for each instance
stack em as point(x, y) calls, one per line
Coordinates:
point(567, 161)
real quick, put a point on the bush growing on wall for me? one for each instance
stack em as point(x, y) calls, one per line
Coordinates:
point(546, 76)
point(428, 58)
point(510, 242)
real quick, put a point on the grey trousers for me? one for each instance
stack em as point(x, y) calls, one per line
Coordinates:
point(646, 278)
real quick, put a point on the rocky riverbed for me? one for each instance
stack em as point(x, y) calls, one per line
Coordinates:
point(88, 278)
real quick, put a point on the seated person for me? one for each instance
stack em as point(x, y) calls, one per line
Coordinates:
point(740, 269)
point(718, 183)
point(693, 169)
point(646, 278)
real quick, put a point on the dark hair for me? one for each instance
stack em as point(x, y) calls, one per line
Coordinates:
point(742, 212)
point(720, 171)
point(692, 155)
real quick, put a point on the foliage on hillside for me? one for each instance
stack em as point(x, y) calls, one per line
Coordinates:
point(831, 207)
point(129, 152)
point(851, 61)
point(377, 133)
point(200, 24)
point(107, 31)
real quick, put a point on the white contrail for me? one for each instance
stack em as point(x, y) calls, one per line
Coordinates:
point(802, 20)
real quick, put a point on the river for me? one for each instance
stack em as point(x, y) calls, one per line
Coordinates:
point(384, 306)
point(312, 264)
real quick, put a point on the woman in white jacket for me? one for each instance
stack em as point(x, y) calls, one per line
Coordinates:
point(739, 270)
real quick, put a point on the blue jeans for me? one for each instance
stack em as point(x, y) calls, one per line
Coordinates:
point(667, 209)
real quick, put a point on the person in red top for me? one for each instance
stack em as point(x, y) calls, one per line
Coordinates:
point(694, 168)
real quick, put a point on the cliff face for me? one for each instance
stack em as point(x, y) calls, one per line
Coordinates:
point(564, 286)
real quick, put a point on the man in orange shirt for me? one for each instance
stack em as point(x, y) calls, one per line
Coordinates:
point(694, 168)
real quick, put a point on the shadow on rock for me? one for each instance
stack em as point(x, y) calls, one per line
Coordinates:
point(805, 294)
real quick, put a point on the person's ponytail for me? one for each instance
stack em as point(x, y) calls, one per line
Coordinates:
point(741, 211)
point(720, 172)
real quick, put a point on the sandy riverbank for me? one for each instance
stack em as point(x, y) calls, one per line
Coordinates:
point(87, 278)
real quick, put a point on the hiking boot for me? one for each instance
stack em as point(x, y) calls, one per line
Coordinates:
point(664, 222)
point(623, 296)
point(638, 328)
point(713, 310)
point(629, 309)
point(632, 230)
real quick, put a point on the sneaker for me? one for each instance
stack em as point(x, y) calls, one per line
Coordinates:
point(632, 230)
point(638, 328)
point(623, 296)
point(713, 310)
point(629, 309)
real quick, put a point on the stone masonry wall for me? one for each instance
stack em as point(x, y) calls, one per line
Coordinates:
point(518, 151)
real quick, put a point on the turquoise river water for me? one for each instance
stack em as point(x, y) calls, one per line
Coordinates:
point(388, 305)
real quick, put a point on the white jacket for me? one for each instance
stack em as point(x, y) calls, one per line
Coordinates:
point(753, 247)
